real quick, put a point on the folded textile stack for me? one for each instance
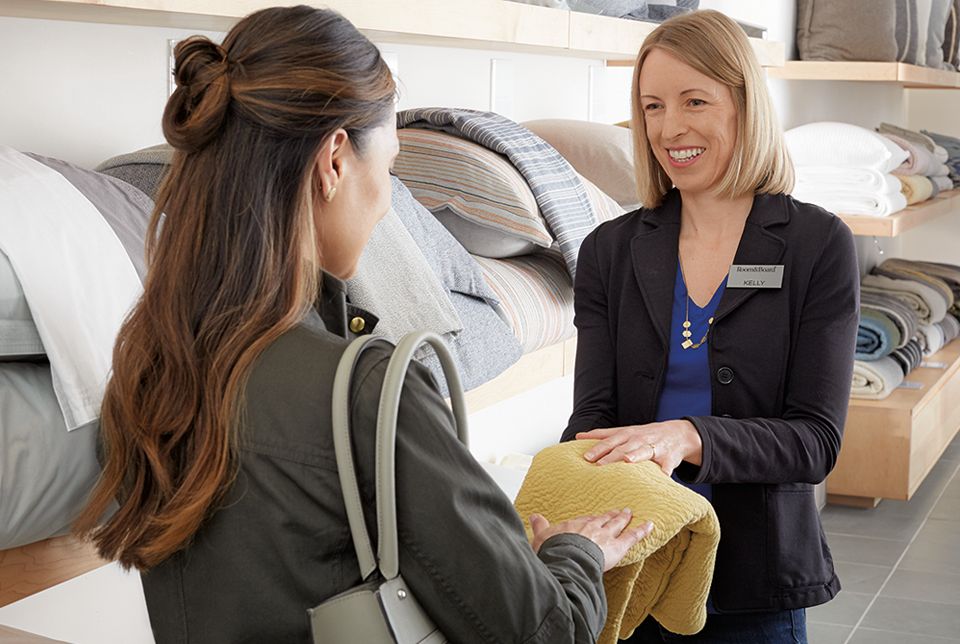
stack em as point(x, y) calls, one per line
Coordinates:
point(924, 173)
point(846, 169)
point(908, 310)
point(646, 10)
point(520, 199)
point(55, 353)
point(917, 32)
point(952, 145)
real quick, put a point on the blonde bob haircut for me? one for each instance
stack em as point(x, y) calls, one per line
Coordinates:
point(716, 46)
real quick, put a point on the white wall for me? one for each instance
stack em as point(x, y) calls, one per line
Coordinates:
point(85, 92)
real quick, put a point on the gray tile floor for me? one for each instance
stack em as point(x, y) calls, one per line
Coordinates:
point(899, 565)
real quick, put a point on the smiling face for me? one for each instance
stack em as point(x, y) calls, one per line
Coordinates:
point(691, 122)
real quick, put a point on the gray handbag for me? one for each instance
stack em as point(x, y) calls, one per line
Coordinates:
point(382, 610)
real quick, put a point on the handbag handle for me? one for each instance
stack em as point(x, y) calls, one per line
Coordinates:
point(388, 553)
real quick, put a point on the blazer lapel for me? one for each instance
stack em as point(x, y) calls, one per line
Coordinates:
point(757, 246)
point(654, 254)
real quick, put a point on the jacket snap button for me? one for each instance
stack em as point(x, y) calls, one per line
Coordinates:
point(357, 324)
point(725, 375)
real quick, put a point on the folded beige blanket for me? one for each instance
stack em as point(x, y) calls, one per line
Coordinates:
point(915, 188)
point(667, 574)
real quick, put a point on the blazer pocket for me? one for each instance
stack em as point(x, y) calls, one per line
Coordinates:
point(798, 546)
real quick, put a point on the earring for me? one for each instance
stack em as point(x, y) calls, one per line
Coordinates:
point(329, 196)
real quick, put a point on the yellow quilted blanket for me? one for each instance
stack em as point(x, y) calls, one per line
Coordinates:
point(668, 573)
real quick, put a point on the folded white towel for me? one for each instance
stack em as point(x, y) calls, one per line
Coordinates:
point(940, 153)
point(853, 202)
point(876, 379)
point(76, 276)
point(831, 177)
point(842, 144)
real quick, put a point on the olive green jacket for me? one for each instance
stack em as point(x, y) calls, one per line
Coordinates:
point(280, 542)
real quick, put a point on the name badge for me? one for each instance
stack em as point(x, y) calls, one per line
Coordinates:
point(755, 276)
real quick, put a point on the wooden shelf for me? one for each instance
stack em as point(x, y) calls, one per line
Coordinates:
point(899, 222)
point(909, 76)
point(488, 24)
point(29, 569)
point(533, 369)
point(889, 446)
point(620, 40)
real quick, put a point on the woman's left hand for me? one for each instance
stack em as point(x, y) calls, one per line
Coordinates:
point(667, 444)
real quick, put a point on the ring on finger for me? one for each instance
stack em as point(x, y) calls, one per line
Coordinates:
point(653, 449)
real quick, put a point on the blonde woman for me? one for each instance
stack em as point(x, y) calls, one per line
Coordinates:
point(717, 328)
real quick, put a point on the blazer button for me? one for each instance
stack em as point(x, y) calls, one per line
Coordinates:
point(357, 324)
point(725, 375)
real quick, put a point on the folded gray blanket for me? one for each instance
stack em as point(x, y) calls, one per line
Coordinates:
point(931, 338)
point(901, 269)
point(946, 274)
point(559, 192)
point(929, 305)
point(486, 345)
point(909, 356)
point(951, 328)
point(395, 282)
point(901, 314)
point(950, 143)
point(918, 138)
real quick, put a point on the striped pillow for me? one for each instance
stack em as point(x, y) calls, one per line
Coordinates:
point(456, 179)
point(537, 294)
point(604, 206)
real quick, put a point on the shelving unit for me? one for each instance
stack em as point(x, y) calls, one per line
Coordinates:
point(533, 369)
point(889, 446)
point(908, 76)
point(29, 569)
point(910, 217)
point(493, 24)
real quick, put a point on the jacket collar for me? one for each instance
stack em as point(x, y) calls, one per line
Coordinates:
point(654, 250)
point(332, 312)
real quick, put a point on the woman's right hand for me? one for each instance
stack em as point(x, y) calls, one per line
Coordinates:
point(609, 531)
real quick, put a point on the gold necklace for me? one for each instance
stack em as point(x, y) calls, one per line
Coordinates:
point(687, 342)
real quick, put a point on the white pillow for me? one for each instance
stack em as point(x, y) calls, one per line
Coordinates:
point(842, 144)
point(18, 334)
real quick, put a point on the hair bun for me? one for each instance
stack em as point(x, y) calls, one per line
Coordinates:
point(195, 113)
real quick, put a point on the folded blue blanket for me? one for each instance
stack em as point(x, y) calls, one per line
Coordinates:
point(559, 192)
point(877, 335)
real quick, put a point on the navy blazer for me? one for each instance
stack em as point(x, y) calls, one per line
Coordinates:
point(782, 361)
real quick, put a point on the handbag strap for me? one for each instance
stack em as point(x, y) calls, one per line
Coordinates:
point(386, 443)
point(387, 435)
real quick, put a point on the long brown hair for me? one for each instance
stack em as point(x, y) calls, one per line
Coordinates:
point(233, 263)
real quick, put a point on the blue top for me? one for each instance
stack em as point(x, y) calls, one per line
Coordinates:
point(686, 390)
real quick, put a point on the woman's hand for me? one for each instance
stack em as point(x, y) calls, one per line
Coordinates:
point(666, 444)
point(609, 531)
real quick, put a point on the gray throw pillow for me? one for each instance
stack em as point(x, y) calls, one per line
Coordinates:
point(951, 37)
point(907, 33)
point(863, 30)
point(939, 12)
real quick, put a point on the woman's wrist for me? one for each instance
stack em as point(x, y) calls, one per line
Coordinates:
point(694, 444)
